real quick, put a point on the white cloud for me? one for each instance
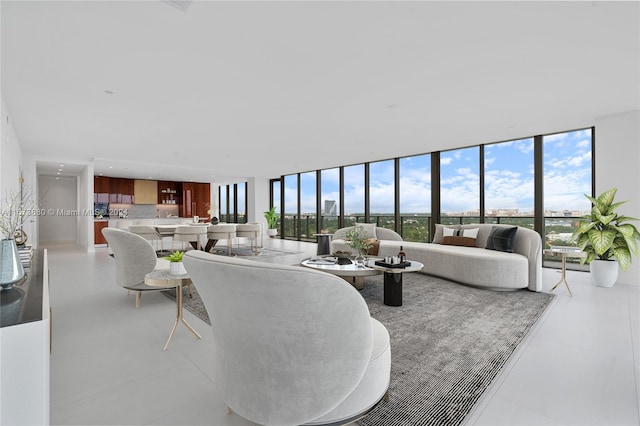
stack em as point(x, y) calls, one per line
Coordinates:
point(445, 161)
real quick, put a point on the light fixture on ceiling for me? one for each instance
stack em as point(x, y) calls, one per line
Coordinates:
point(108, 92)
point(182, 5)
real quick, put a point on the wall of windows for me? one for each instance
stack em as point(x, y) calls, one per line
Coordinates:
point(232, 200)
point(536, 182)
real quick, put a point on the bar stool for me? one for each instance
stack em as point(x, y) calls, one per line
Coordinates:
point(221, 231)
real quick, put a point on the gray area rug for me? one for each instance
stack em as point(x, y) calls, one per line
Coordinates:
point(245, 251)
point(448, 342)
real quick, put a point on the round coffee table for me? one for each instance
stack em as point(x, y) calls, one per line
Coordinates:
point(350, 273)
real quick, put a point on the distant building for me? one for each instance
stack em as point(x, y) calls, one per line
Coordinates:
point(330, 208)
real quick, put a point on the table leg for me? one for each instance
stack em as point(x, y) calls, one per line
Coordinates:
point(392, 289)
point(180, 317)
point(563, 277)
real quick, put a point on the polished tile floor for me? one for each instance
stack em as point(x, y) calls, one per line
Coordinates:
point(579, 366)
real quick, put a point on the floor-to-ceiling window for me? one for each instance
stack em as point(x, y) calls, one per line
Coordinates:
point(308, 205)
point(290, 218)
point(330, 199)
point(568, 166)
point(354, 207)
point(509, 183)
point(382, 194)
point(460, 185)
point(415, 197)
point(233, 202)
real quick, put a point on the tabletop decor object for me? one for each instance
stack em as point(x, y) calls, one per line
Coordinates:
point(607, 238)
point(358, 240)
point(14, 208)
point(176, 267)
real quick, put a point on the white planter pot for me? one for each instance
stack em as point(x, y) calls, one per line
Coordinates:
point(272, 232)
point(604, 273)
point(177, 268)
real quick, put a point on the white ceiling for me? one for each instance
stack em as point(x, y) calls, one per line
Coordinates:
point(239, 89)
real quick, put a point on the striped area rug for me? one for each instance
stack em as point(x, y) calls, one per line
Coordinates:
point(448, 342)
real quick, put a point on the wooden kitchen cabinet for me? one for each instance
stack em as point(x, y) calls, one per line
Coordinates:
point(169, 192)
point(98, 238)
point(121, 190)
point(101, 189)
point(196, 198)
point(145, 191)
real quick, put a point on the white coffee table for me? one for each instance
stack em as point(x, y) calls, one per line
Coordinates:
point(350, 273)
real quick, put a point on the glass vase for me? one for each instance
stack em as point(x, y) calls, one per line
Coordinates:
point(11, 270)
point(360, 260)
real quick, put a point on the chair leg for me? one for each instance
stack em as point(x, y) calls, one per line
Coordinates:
point(228, 410)
point(138, 297)
point(386, 396)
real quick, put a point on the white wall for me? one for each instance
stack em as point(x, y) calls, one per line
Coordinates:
point(258, 196)
point(58, 194)
point(617, 158)
point(10, 154)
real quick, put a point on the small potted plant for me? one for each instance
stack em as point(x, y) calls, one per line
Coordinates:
point(607, 238)
point(272, 221)
point(176, 267)
point(358, 240)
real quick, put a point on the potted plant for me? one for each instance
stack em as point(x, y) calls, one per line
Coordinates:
point(358, 240)
point(176, 267)
point(272, 221)
point(607, 238)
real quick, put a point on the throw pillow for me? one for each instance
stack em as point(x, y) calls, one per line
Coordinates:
point(459, 241)
point(469, 232)
point(439, 234)
point(375, 246)
point(369, 229)
point(502, 238)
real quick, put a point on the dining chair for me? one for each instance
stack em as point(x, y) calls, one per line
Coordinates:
point(252, 231)
point(191, 234)
point(221, 231)
point(149, 233)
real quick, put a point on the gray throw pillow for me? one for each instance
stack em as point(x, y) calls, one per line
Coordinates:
point(502, 238)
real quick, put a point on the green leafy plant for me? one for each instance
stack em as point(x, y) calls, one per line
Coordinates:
point(357, 239)
point(272, 218)
point(606, 235)
point(176, 256)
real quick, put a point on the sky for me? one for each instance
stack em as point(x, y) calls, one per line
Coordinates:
point(509, 180)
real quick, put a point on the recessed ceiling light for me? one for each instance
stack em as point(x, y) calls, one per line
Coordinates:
point(58, 173)
point(61, 165)
point(57, 178)
point(59, 170)
point(150, 177)
point(111, 167)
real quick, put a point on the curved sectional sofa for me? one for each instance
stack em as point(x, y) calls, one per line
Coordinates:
point(473, 265)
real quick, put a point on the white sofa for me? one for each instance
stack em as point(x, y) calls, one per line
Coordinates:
point(476, 266)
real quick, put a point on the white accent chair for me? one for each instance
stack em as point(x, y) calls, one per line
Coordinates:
point(135, 258)
point(221, 231)
point(291, 345)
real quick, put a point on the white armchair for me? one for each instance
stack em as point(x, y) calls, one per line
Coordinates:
point(291, 345)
